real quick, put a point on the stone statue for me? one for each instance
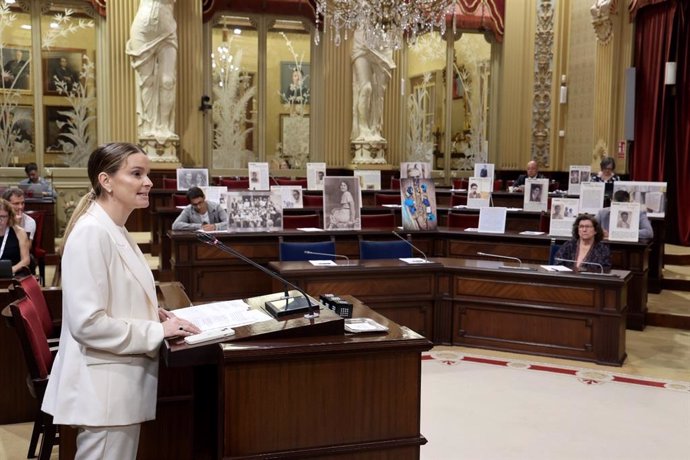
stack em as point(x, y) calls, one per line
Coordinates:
point(153, 50)
point(371, 72)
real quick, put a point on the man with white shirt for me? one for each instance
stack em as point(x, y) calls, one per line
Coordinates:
point(201, 214)
point(16, 198)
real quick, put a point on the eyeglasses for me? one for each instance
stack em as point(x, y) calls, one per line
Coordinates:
point(586, 226)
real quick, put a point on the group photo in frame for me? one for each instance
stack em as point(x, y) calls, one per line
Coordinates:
point(252, 211)
point(61, 65)
point(56, 126)
point(16, 67)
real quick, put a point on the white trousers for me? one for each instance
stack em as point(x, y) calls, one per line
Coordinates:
point(107, 443)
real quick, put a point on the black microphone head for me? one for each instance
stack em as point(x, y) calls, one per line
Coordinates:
point(206, 238)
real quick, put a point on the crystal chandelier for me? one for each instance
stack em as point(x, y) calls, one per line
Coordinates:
point(385, 23)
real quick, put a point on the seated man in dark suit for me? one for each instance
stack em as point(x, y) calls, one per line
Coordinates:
point(201, 214)
point(604, 217)
point(532, 173)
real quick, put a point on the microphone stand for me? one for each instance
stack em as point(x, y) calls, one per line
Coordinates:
point(519, 267)
point(347, 259)
point(292, 304)
point(574, 262)
point(411, 245)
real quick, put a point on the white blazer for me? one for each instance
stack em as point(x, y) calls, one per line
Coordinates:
point(106, 369)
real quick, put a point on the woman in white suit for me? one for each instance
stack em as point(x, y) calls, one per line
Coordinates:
point(104, 379)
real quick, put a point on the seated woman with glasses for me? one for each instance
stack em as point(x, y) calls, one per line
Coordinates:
point(586, 251)
point(15, 244)
point(607, 173)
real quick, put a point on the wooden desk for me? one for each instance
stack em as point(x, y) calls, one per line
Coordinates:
point(208, 274)
point(346, 395)
point(478, 303)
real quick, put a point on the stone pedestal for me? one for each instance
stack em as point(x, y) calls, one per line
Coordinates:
point(165, 152)
point(368, 152)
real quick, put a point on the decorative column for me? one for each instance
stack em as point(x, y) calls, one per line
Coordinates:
point(543, 77)
point(604, 21)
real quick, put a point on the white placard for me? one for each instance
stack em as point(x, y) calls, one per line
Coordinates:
point(536, 195)
point(650, 195)
point(564, 211)
point(592, 196)
point(484, 170)
point(215, 194)
point(479, 192)
point(369, 180)
point(258, 176)
point(577, 175)
point(624, 222)
point(492, 220)
point(315, 174)
point(290, 195)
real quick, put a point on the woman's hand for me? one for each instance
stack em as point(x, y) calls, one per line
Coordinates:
point(174, 326)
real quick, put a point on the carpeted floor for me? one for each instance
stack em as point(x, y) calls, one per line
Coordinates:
point(481, 407)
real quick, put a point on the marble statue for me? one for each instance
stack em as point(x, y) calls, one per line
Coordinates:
point(371, 72)
point(152, 47)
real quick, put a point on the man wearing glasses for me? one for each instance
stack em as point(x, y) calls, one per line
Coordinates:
point(201, 214)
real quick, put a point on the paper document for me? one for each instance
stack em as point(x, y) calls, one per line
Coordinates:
point(323, 263)
point(310, 229)
point(414, 260)
point(530, 232)
point(556, 268)
point(391, 206)
point(231, 313)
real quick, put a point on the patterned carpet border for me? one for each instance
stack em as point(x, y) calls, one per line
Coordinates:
point(586, 376)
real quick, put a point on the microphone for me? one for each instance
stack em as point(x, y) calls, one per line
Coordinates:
point(574, 262)
point(292, 304)
point(347, 259)
point(412, 246)
point(519, 267)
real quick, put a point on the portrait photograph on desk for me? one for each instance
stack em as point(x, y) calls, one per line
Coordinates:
point(418, 204)
point(342, 201)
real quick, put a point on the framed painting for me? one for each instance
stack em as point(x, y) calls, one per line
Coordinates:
point(22, 117)
point(294, 83)
point(56, 126)
point(16, 75)
point(61, 69)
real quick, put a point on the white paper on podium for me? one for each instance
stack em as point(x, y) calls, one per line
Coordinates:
point(323, 263)
point(230, 313)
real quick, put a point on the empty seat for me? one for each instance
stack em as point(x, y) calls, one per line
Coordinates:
point(291, 251)
point(378, 220)
point(384, 249)
point(180, 200)
point(458, 200)
point(312, 201)
point(39, 361)
point(462, 221)
point(380, 199)
point(169, 183)
point(460, 184)
point(300, 181)
point(301, 221)
point(37, 251)
point(395, 183)
point(498, 185)
point(235, 184)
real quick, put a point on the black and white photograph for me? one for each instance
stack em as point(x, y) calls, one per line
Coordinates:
point(650, 195)
point(250, 211)
point(291, 195)
point(61, 69)
point(16, 67)
point(342, 201)
point(536, 195)
point(315, 174)
point(56, 127)
point(191, 177)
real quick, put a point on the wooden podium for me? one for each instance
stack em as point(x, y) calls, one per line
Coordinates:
point(306, 389)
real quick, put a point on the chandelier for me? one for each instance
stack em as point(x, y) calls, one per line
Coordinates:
point(385, 23)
